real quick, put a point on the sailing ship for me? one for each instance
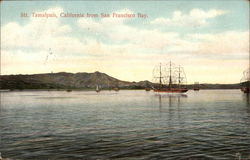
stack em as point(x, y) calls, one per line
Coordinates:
point(196, 86)
point(169, 78)
point(245, 81)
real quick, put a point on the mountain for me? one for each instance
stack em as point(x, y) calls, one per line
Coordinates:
point(64, 80)
point(60, 80)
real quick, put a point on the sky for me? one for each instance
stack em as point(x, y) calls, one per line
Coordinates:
point(209, 39)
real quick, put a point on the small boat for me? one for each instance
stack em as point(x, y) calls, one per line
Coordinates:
point(116, 87)
point(245, 81)
point(148, 86)
point(69, 90)
point(170, 79)
point(196, 86)
point(245, 89)
point(97, 88)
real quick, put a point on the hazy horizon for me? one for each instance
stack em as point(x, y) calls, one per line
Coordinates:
point(113, 77)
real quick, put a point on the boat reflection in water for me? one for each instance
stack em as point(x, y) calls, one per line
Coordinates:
point(170, 100)
point(246, 99)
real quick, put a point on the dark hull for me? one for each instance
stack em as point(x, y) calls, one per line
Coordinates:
point(171, 90)
point(245, 90)
point(196, 89)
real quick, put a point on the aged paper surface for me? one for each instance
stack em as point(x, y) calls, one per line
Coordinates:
point(74, 75)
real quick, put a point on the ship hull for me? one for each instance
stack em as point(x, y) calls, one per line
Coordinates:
point(245, 90)
point(171, 90)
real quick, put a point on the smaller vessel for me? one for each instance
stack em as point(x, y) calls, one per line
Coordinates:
point(196, 86)
point(245, 89)
point(97, 88)
point(148, 86)
point(245, 81)
point(116, 88)
point(69, 90)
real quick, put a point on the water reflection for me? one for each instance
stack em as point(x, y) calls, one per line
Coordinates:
point(246, 99)
point(160, 103)
point(209, 124)
point(170, 108)
point(170, 99)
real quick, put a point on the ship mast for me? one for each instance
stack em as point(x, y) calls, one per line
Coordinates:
point(160, 76)
point(179, 78)
point(249, 71)
point(170, 78)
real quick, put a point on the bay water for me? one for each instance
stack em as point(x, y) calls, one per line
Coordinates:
point(129, 124)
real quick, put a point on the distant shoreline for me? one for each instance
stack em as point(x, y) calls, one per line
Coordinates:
point(84, 81)
point(65, 90)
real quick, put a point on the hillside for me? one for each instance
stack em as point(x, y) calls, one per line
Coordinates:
point(60, 80)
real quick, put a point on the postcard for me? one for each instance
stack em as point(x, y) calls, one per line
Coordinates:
point(102, 80)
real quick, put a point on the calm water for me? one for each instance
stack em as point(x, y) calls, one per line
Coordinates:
point(209, 124)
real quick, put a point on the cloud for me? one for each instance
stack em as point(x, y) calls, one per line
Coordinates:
point(196, 17)
point(229, 43)
point(114, 37)
point(114, 46)
point(118, 31)
point(143, 48)
point(89, 24)
point(41, 34)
